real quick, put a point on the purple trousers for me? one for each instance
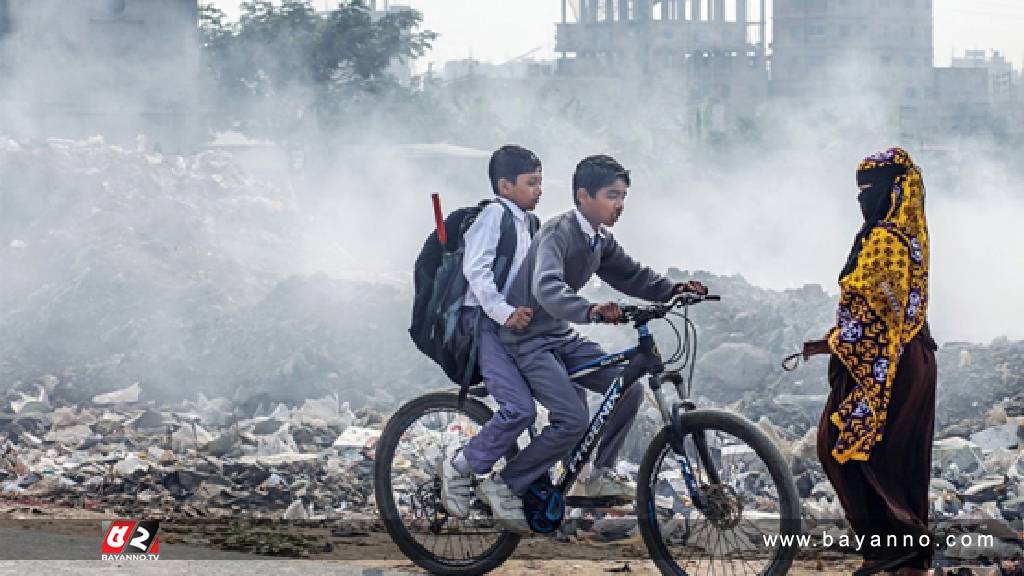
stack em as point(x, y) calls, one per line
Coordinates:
point(506, 385)
point(545, 362)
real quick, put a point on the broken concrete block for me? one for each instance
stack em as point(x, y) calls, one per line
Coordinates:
point(355, 437)
point(122, 396)
point(966, 455)
point(823, 490)
point(130, 465)
point(71, 435)
point(295, 511)
point(988, 489)
point(1002, 436)
point(806, 448)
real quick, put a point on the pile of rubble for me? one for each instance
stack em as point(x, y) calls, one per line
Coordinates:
point(205, 458)
point(214, 459)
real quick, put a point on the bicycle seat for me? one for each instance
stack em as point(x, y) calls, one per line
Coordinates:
point(478, 391)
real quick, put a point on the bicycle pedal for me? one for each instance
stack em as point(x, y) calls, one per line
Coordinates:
point(597, 501)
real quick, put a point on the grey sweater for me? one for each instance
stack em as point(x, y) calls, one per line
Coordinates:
point(559, 263)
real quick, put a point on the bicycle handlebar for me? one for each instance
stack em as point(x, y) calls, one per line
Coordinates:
point(646, 312)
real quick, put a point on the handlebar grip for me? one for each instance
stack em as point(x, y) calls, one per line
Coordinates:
point(713, 297)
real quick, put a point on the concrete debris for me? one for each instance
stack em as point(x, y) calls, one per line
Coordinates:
point(295, 511)
point(130, 465)
point(72, 435)
point(356, 437)
point(959, 453)
point(309, 462)
point(985, 490)
point(314, 460)
point(806, 447)
point(1000, 436)
point(125, 395)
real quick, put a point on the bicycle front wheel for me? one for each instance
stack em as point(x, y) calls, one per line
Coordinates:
point(726, 505)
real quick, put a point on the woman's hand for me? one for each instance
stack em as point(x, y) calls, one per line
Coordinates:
point(815, 347)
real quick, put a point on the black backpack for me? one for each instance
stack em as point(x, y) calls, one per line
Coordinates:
point(440, 289)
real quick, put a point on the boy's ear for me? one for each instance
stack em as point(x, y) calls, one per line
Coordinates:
point(504, 186)
point(581, 193)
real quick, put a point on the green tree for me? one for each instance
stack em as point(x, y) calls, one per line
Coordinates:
point(283, 68)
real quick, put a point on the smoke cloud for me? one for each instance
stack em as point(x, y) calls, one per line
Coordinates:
point(767, 192)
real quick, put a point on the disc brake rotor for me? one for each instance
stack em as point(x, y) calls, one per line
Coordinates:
point(722, 505)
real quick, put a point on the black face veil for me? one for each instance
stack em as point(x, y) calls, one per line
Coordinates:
point(875, 201)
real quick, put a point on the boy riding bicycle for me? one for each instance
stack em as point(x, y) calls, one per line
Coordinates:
point(567, 251)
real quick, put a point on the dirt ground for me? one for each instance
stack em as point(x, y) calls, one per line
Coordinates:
point(375, 553)
point(638, 567)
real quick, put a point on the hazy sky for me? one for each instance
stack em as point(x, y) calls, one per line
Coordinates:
point(498, 30)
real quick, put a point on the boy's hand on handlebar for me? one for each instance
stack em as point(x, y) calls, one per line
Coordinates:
point(520, 318)
point(607, 313)
point(692, 286)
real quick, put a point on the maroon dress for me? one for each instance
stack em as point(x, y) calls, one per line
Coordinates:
point(888, 493)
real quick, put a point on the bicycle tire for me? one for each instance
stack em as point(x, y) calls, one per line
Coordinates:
point(753, 437)
point(388, 509)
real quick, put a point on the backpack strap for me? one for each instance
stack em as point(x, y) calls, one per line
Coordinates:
point(503, 255)
point(505, 252)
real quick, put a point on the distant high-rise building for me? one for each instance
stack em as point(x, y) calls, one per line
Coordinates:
point(824, 48)
point(1001, 78)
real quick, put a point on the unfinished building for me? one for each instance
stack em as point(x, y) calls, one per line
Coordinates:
point(715, 48)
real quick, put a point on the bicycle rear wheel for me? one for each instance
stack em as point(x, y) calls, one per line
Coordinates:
point(407, 485)
point(747, 503)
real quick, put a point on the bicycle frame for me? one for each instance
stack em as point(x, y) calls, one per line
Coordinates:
point(643, 359)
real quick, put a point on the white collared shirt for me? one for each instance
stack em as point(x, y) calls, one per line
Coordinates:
point(481, 246)
point(588, 229)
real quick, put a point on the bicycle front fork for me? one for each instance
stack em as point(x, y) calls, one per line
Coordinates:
point(673, 415)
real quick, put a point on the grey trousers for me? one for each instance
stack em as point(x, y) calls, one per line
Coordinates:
point(544, 361)
point(516, 409)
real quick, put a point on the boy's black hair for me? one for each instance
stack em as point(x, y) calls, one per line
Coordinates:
point(509, 162)
point(596, 172)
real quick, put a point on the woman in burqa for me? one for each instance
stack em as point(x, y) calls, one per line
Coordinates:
point(875, 435)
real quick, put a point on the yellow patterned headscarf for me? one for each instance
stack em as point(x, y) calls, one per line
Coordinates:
point(883, 304)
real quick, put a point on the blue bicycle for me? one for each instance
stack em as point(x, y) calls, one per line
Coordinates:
point(713, 492)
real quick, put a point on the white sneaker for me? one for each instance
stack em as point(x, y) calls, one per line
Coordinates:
point(604, 483)
point(506, 506)
point(455, 486)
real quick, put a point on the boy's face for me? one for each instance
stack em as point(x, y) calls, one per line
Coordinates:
point(525, 192)
point(607, 205)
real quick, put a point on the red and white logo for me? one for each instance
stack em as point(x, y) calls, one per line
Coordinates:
point(130, 540)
